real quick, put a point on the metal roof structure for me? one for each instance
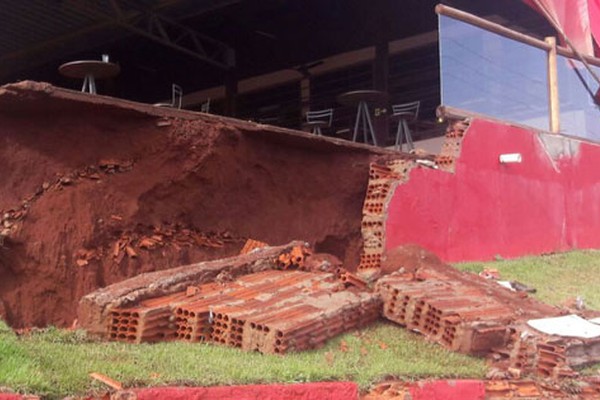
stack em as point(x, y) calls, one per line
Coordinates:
point(36, 30)
point(198, 41)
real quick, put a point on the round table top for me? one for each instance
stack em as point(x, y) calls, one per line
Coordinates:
point(99, 69)
point(372, 97)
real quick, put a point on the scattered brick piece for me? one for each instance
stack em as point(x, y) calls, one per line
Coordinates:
point(147, 243)
point(130, 252)
point(81, 262)
point(116, 249)
point(343, 346)
point(251, 245)
point(490, 273)
point(106, 380)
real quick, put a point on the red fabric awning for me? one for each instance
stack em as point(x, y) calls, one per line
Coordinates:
point(594, 14)
point(579, 20)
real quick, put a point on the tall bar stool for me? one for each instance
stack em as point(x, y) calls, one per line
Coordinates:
point(316, 120)
point(405, 113)
point(176, 97)
point(205, 107)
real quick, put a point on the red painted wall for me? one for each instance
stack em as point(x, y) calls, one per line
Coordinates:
point(549, 202)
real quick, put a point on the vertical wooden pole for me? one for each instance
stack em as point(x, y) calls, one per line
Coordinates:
point(553, 99)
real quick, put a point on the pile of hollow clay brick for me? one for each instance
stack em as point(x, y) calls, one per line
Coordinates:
point(270, 312)
point(477, 316)
point(458, 316)
point(494, 389)
point(531, 351)
point(383, 179)
point(542, 389)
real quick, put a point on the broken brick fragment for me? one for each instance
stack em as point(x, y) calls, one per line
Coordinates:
point(252, 245)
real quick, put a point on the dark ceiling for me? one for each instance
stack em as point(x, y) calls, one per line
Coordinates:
point(36, 36)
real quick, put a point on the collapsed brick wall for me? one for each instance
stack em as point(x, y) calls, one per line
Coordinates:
point(462, 313)
point(385, 176)
point(95, 308)
point(459, 317)
point(270, 312)
point(96, 190)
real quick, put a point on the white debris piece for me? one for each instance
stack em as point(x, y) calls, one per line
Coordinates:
point(568, 325)
point(506, 284)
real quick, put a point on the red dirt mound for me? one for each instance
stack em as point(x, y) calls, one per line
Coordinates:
point(95, 190)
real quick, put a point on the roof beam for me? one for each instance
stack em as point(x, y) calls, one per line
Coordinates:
point(60, 45)
point(174, 35)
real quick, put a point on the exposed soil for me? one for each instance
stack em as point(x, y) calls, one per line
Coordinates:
point(93, 193)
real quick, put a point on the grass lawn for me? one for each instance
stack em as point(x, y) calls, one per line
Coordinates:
point(55, 363)
point(558, 278)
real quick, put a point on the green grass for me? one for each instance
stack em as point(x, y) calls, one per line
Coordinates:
point(558, 278)
point(17, 368)
point(56, 363)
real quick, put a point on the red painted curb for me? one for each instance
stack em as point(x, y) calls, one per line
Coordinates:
point(303, 391)
point(10, 396)
point(448, 390)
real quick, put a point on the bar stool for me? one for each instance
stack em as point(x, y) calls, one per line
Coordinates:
point(363, 99)
point(316, 120)
point(176, 98)
point(205, 107)
point(405, 113)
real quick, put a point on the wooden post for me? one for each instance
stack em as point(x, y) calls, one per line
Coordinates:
point(553, 99)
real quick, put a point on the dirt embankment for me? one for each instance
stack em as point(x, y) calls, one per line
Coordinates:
point(91, 194)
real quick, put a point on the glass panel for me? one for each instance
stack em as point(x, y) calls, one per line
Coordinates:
point(489, 74)
point(579, 115)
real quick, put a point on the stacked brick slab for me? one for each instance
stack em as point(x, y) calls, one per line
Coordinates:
point(530, 351)
point(148, 322)
point(252, 245)
point(458, 316)
point(98, 308)
point(270, 312)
